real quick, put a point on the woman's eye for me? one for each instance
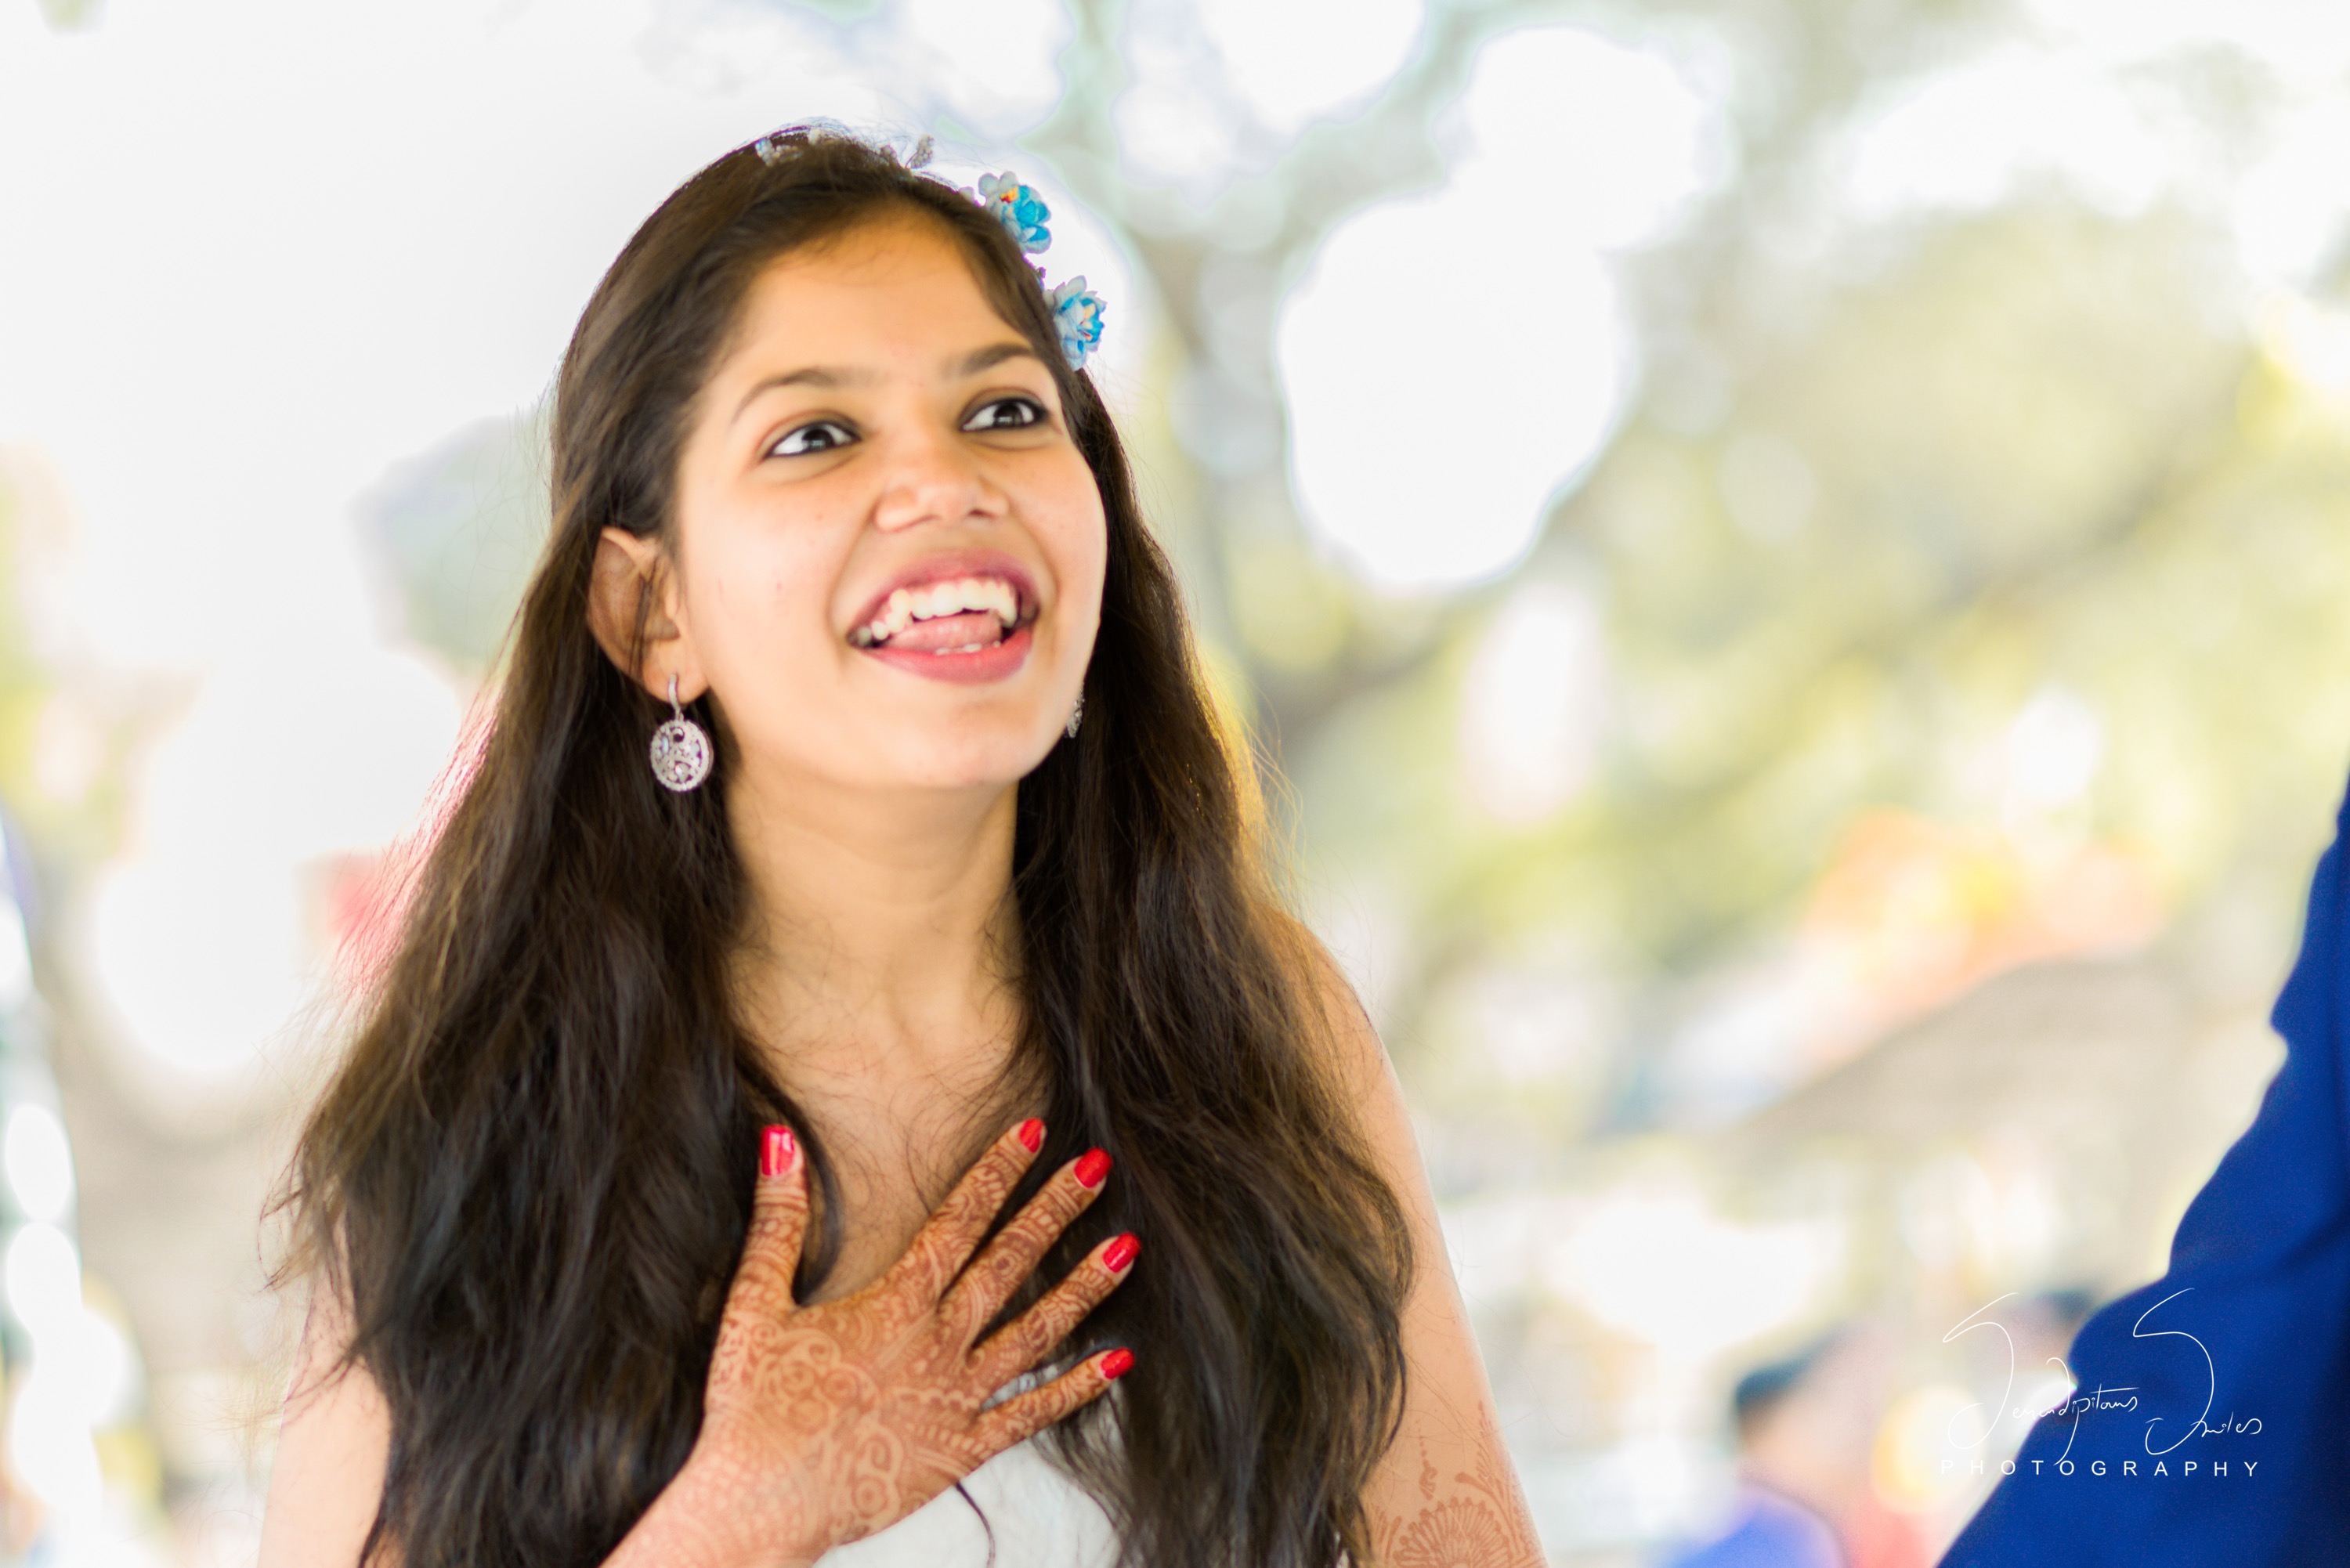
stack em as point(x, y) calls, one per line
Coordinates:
point(819, 435)
point(1006, 414)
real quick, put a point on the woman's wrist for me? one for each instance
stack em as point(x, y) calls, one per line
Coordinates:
point(700, 1521)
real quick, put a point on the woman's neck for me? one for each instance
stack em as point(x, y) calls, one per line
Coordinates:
point(882, 944)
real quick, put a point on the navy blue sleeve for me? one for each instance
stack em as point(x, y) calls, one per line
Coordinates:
point(2212, 1420)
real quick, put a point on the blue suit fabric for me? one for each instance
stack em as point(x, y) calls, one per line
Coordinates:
point(2213, 1418)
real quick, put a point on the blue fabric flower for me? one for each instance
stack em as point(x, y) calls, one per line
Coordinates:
point(1021, 210)
point(1077, 312)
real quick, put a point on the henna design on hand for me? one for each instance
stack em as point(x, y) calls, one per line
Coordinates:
point(826, 1423)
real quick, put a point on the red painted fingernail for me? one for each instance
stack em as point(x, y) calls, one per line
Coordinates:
point(1093, 1169)
point(1032, 1135)
point(778, 1151)
point(1115, 1365)
point(1120, 1254)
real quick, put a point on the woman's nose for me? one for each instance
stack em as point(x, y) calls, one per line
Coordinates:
point(934, 478)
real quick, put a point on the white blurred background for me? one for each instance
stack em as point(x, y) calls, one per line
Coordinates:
point(1793, 555)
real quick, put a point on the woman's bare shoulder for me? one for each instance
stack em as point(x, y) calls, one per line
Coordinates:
point(1340, 1027)
point(334, 1436)
point(1449, 1469)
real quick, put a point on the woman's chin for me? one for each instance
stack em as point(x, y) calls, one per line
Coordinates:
point(996, 766)
point(982, 759)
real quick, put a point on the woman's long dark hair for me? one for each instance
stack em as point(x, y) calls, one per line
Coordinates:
point(531, 1178)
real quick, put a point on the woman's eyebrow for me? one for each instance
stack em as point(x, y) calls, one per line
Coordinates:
point(987, 358)
point(974, 363)
point(806, 376)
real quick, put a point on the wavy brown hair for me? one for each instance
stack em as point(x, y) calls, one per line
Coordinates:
point(530, 1177)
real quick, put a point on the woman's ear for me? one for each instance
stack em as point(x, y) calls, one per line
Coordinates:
point(633, 578)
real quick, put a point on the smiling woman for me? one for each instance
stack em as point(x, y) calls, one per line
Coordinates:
point(811, 573)
point(665, 1210)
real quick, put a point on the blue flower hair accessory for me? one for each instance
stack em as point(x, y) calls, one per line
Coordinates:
point(1077, 312)
point(1019, 208)
point(1077, 309)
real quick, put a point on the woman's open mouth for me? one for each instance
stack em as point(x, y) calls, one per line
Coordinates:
point(974, 625)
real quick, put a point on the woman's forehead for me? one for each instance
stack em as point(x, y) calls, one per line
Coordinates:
point(892, 290)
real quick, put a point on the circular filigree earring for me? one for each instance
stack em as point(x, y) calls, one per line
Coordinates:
point(681, 753)
point(1076, 717)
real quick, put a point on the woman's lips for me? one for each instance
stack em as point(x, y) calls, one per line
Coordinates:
point(988, 661)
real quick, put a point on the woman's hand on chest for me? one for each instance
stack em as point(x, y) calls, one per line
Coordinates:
point(824, 1423)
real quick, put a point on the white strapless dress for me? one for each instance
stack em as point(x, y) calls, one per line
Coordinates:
point(1041, 1518)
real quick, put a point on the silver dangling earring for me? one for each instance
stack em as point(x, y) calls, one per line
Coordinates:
point(1076, 716)
point(681, 753)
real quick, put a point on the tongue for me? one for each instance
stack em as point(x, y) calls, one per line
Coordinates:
point(959, 630)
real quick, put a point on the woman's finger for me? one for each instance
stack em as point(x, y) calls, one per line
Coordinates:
point(939, 1248)
point(1030, 1337)
point(1024, 1416)
point(779, 1209)
point(1013, 1256)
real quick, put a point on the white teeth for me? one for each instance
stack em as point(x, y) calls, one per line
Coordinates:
point(906, 605)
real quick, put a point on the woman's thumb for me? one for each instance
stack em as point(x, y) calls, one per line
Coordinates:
point(779, 1208)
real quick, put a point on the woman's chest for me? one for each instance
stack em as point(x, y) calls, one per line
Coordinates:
point(890, 1166)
